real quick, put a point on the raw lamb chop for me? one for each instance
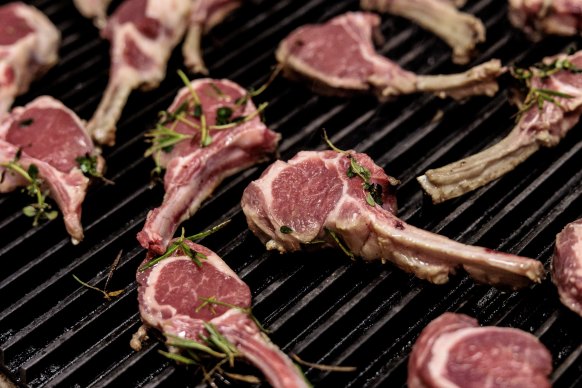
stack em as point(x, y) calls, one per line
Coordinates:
point(94, 9)
point(143, 34)
point(338, 58)
point(343, 199)
point(567, 264)
point(51, 137)
point(29, 45)
point(460, 30)
point(205, 14)
point(552, 107)
point(195, 166)
point(175, 297)
point(542, 17)
point(454, 351)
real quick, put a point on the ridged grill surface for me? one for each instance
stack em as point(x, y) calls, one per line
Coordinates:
point(319, 305)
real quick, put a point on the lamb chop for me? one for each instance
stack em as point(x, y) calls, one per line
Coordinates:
point(343, 199)
point(205, 14)
point(542, 17)
point(552, 107)
point(461, 31)
point(48, 142)
point(210, 132)
point(143, 34)
point(94, 9)
point(454, 351)
point(566, 264)
point(29, 45)
point(338, 58)
point(192, 295)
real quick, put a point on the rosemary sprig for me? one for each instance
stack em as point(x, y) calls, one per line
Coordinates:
point(253, 93)
point(373, 190)
point(106, 294)
point(184, 343)
point(181, 244)
point(211, 301)
point(538, 96)
point(41, 210)
point(327, 368)
point(163, 139)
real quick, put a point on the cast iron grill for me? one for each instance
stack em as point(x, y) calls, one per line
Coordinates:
point(320, 305)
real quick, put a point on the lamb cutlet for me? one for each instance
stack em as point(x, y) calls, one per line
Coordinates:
point(551, 108)
point(29, 45)
point(567, 266)
point(343, 199)
point(143, 34)
point(338, 58)
point(542, 17)
point(45, 148)
point(204, 16)
point(454, 351)
point(211, 131)
point(192, 296)
point(460, 30)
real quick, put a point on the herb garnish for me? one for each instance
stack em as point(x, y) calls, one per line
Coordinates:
point(41, 209)
point(181, 244)
point(163, 139)
point(285, 229)
point(373, 190)
point(88, 165)
point(327, 368)
point(240, 119)
point(537, 96)
point(211, 301)
point(223, 115)
point(205, 138)
point(26, 122)
point(340, 244)
point(106, 294)
point(253, 93)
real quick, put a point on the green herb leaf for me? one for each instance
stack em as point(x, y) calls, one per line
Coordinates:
point(223, 115)
point(178, 358)
point(26, 122)
point(285, 229)
point(32, 171)
point(340, 244)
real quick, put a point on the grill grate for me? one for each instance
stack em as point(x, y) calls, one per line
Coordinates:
point(320, 305)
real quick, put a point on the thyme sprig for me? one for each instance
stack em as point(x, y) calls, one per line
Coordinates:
point(88, 165)
point(106, 294)
point(180, 244)
point(41, 210)
point(373, 191)
point(327, 368)
point(251, 93)
point(240, 119)
point(205, 139)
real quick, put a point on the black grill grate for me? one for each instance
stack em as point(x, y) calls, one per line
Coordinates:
point(320, 305)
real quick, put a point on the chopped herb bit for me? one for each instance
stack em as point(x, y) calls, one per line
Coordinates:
point(285, 229)
point(181, 244)
point(340, 244)
point(41, 210)
point(106, 294)
point(241, 119)
point(327, 368)
point(89, 167)
point(375, 192)
point(223, 115)
point(26, 122)
point(197, 111)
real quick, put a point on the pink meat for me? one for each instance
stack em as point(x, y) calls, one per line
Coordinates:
point(313, 195)
point(192, 171)
point(29, 45)
point(51, 137)
point(170, 292)
point(567, 266)
point(453, 351)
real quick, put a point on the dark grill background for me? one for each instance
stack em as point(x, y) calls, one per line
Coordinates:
point(320, 305)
